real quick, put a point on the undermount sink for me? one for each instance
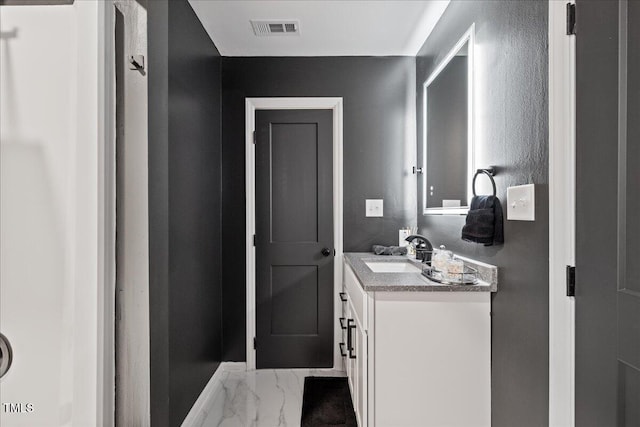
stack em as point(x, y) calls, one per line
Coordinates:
point(393, 267)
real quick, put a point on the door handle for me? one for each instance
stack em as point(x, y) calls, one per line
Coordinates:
point(326, 251)
point(350, 347)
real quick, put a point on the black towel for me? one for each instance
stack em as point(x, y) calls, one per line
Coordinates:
point(484, 221)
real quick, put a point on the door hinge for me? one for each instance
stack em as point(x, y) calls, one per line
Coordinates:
point(571, 281)
point(254, 343)
point(254, 240)
point(254, 136)
point(571, 19)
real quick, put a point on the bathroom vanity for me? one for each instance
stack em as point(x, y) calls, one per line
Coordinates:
point(416, 352)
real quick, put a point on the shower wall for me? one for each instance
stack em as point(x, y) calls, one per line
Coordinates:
point(49, 217)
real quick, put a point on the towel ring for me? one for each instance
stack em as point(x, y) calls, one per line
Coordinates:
point(490, 172)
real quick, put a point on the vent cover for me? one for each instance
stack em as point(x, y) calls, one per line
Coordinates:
point(275, 28)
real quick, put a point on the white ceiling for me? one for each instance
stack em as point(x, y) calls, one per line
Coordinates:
point(327, 27)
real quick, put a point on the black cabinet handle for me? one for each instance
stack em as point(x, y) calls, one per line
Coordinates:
point(326, 251)
point(343, 296)
point(342, 319)
point(342, 353)
point(350, 347)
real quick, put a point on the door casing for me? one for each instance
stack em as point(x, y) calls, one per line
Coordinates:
point(562, 196)
point(106, 214)
point(251, 105)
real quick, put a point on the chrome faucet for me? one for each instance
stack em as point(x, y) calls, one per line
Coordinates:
point(423, 247)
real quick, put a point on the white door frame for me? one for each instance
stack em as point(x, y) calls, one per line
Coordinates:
point(106, 262)
point(253, 104)
point(562, 77)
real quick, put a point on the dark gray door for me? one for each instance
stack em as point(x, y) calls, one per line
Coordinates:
point(608, 213)
point(294, 238)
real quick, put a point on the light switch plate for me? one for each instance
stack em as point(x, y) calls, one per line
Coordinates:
point(373, 207)
point(521, 203)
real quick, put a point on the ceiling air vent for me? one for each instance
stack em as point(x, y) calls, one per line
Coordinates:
point(275, 28)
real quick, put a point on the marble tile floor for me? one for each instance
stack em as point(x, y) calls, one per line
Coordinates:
point(261, 398)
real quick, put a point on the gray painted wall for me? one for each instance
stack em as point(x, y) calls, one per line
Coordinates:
point(158, 53)
point(184, 209)
point(379, 151)
point(512, 134)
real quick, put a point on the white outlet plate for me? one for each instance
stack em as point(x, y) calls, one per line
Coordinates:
point(374, 207)
point(521, 203)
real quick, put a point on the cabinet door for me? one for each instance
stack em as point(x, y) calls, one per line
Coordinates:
point(342, 319)
point(350, 347)
point(348, 334)
point(361, 353)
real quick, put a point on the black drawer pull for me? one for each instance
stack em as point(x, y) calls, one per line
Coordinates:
point(350, 347)
point(342, 353)
point(342, 326)
point(343, 297)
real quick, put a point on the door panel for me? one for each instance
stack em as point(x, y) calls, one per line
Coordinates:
point(632, 147)
point(294, 223)
point(607, 202)
point(628, 392)
point(353, 360)
point(295, 177)
point(351, 345)
point(348, 314)
point(361, 364)
point(294, 291)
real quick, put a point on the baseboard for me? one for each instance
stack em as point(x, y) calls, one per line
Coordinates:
point(234, 366)
point(198, 413)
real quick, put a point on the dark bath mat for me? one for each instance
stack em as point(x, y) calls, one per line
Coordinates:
point(327, 402)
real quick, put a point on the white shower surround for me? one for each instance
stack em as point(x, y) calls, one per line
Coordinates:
point(50, 135)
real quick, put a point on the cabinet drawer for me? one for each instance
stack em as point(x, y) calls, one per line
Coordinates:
point(356, 295)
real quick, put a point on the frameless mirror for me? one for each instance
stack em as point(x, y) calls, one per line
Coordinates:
point(448, 131)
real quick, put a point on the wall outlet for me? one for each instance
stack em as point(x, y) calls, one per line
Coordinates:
point(374, 207)
point(521, 203)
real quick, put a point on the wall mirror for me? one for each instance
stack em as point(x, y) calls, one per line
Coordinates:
point(448, 131)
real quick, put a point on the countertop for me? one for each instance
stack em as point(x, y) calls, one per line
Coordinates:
point(415, 282)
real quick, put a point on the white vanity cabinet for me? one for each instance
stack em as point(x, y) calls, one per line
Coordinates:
point(356, 345)
point(417, 359)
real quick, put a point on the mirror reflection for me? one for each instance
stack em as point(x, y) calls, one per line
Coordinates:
point(448, 131)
